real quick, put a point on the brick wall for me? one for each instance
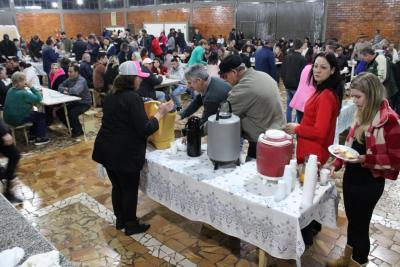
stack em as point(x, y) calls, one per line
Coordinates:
point(43, 24)
point(84, 23)
point(347, 19)
point(214, 20)
point(106, 19)
point(139, 17)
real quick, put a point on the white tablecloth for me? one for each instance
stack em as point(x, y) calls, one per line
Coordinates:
point(345, 119)
point(52, 97)
point(235, 201)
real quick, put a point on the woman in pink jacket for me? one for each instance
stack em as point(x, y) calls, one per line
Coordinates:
point(305, 89)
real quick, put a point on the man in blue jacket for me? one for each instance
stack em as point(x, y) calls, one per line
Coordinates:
point(50, 56)
point(265, 59)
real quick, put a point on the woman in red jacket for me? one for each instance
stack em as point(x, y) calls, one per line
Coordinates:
point(375, 135)
point(316, 131)
point(155, 47)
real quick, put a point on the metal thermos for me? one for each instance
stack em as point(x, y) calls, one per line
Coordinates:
point(193, 134)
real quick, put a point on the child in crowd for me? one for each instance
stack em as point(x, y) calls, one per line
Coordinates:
point(18, 108)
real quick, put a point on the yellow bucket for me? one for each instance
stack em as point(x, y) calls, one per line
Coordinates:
point(166, 132)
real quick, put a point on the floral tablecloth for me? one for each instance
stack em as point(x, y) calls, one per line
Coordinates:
point(345, 118)
point(236, 201)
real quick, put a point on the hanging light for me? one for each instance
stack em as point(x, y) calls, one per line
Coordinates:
point(79, 2)
point(54, 4)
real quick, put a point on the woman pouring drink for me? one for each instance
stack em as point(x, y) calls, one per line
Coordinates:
point(120, 145)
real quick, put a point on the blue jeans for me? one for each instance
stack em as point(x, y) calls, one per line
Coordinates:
point(160, 96)
point(289, 95)
point(176, 92)
point(39, 124)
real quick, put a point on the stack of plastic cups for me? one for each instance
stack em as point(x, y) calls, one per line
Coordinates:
point(310, 181)
point(293, 163)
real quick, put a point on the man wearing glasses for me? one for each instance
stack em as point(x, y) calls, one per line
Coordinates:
point(254, 98)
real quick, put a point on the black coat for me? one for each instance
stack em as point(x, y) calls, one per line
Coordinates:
point(291, 70)
point(79, 49)
point(86, 71)
point(8, 48)
point(146, 88)
point(121, 142)
point(58, 81)
point(3, 92)
point(35, 48)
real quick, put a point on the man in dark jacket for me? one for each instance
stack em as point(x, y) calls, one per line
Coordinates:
point(75, 85)
point(265, 59)
point(212, 92)
point(50, 56)
point(93, 47)
point(146, 40)
point(35, 48)
point(85, 69)
point(181, 41)
point(125, 53)
point(7, 47)
point(79, 47)
point(3, 86)
point(9, 150)
point(146, 88)
point(290, 73)
point(196, 37)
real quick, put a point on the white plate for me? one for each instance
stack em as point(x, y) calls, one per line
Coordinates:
point(332, 148)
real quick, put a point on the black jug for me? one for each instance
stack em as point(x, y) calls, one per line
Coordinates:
point(193, 133)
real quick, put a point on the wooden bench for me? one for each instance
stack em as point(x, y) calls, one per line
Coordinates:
point(88, 122)
point(23, 127)
point(96, 97)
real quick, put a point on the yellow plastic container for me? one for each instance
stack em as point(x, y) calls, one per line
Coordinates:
point(166, 132)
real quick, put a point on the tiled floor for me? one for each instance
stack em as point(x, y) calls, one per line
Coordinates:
point(71, 206)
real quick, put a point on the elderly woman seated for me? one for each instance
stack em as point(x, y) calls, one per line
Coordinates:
point(18, 108)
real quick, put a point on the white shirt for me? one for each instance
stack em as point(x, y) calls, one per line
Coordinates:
point(220, 41)
point(31, 77)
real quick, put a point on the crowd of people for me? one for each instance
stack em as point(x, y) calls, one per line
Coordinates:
point(246, 72)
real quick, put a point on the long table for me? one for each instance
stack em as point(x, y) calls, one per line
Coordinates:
point(52, 98)
point(236, 201)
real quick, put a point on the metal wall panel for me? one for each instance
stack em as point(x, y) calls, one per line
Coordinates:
point(6, 18)
point(290, 19)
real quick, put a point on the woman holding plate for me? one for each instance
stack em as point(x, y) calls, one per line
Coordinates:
point(375, 135)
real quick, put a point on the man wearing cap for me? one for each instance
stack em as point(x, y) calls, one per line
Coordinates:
point(255, 99)
point(265, 58)
point(146, 88)
point(212, 91)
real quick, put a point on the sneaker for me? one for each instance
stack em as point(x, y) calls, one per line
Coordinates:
point(31, 139)
point(133, 228)
point(12, 198)
point(41, 141)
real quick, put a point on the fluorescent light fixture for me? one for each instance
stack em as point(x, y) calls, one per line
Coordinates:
point(254, 3)
point(54, 4)
point(33, 7)
point(79, 2)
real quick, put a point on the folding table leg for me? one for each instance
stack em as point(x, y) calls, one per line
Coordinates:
point(262, 258)
point(66, 118)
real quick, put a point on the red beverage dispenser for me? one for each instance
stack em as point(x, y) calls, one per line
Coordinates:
point(274, 151)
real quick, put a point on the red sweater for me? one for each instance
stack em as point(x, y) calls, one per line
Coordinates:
point(317, 129)
point(155, 47)
point(382, 143)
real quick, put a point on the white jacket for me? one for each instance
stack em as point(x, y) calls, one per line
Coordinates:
point(31, 77)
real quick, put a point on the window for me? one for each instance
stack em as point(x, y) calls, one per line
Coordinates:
point(35, 4)
point(80, 4)
point(4, 4)
point(172, 1)
point(141, 2)
point(112, 4)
